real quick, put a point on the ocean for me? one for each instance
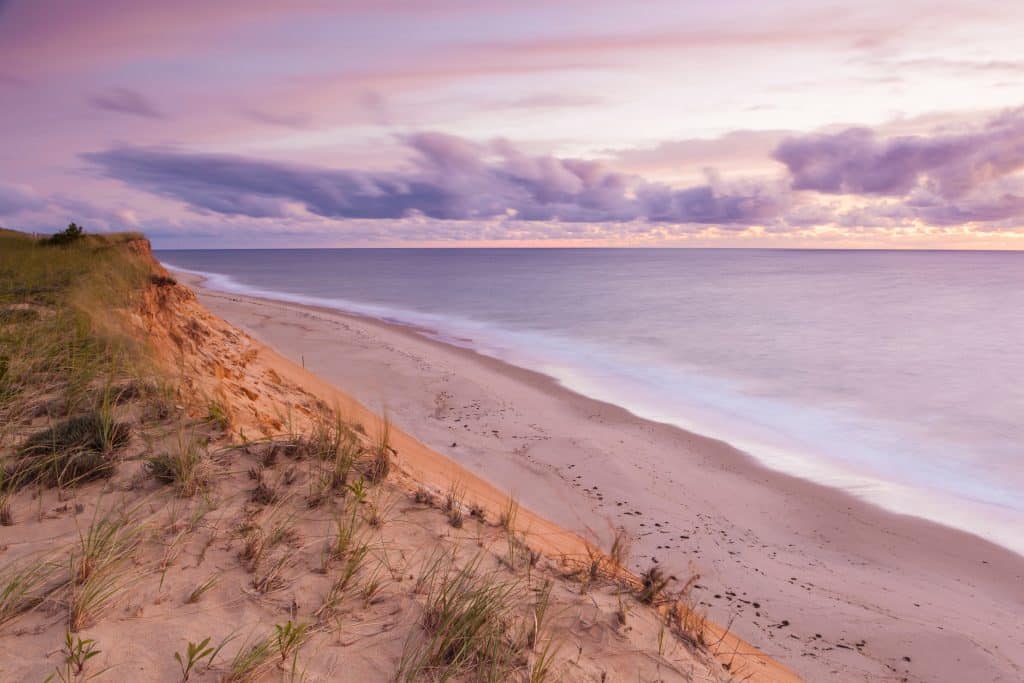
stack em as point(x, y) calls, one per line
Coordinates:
point(895, 375)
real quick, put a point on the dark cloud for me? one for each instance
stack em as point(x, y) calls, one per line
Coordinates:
point(449, 178)
point(949, 165)
point(125, 101)
point(945, 179)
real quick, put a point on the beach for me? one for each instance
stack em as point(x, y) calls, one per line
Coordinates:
point(830, 585)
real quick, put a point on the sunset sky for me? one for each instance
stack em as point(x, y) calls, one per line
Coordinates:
point(451, 122)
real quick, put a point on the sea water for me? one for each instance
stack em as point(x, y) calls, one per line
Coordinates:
point(895, 375)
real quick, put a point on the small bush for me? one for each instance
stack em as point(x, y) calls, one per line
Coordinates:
point(69, 235)
point(162, 280)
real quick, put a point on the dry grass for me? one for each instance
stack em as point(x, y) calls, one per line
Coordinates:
point(509, 515)
point(253, 659)
point(111, 539)
point(335, 448)
point(202, 589)
point(454, 506)
point(91, 598)
point(54, 358)
point(687, 622)
point(653, 583)
point(378, 466)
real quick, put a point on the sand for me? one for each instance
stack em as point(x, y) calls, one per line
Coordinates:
point(831, 586)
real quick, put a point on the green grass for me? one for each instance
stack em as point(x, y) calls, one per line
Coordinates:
point(252, 660)
point(63, 345)
point(72, 370)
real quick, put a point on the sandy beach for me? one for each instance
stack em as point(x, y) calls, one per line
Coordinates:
point(831, 586)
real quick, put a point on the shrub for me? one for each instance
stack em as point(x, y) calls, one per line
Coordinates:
point(162, 280)
point(71, 234)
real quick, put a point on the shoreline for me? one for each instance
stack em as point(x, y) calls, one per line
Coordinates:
point(797, 567)
point(985, 519)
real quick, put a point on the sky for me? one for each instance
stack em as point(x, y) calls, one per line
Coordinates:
point(262, 123)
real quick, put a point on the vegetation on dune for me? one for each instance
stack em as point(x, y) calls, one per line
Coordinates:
point(61, 341)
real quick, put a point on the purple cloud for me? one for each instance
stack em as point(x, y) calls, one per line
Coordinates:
point(449, 178)
point(125, 101)
point(951, 165)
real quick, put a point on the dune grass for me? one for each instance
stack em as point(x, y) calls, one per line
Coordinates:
point(66, 358)
point(25, 585)
point(185, 466)
point(58, 330)
point(468, 626)
point(100, 565)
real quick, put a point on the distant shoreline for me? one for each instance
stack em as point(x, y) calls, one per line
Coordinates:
point(748, 529)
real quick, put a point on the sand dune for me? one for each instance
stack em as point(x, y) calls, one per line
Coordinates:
point(406, 568)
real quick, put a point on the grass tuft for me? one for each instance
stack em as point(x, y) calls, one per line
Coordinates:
point(78, 449)
point(251, 661)
point(466, 627)
point(25, 585)
point(185, 467)
point(653, 583)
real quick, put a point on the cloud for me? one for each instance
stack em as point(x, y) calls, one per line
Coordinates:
point(449, 178)
point(950, 165)
point(17, 198)
point(746, 148)
point(125, 101)
point(298, 120)
point(550, 100)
